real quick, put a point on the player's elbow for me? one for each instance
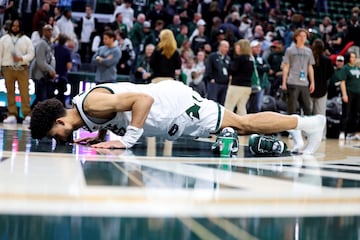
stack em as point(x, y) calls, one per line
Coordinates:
point(148, 100)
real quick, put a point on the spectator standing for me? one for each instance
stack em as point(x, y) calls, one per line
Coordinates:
point(3, 5)
point(262, 68)
point(200, 39)
point(334, 90)
point(119, 25)
point(86, 26)
point(16, 52)
point(350, 91)
point(165, 60)
point(63, 65)
point(326, 30)
point(298, 74)
point(275, 73)
point(159, 26)
point(217, 73)
point(41, 15)
point(336, 43)
point(127, 53)
point(242, 68)
point(136, 34)
point(148, 36)
point(323, 70)
point(55, 31)
point(10, 12)
point(200, 64)
point(353, 30)
point(97, 38)
point(334, 84)
point(143, 70)
point(106, 58)
point(127, 13)
point(37, 35)
point(75, 67)
point(65, 24)
point(26, 11)
point(43, 67)
point(157, 13)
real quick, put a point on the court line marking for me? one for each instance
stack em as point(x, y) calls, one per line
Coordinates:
point(198, 229)
point(232, 229)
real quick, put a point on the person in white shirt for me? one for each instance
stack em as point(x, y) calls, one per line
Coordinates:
point(87, 25)
point(65, 24)
point(16, 52)
point(127, 12)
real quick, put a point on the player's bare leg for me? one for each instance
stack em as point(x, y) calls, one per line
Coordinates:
point(271, 122)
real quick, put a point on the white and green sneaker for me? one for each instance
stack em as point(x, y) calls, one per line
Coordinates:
point(227, 132)
point(261, 145)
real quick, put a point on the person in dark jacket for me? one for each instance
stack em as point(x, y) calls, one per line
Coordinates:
point(242, 68)
point(217, 73)
point(63, 65)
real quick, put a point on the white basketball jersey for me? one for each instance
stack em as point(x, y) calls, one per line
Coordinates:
point(172, 112)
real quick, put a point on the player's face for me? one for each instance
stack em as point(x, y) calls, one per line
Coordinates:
point(60, 132)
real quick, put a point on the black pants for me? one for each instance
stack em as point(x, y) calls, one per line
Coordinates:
point(44, 89)
point(60, 86)
point(352, 113)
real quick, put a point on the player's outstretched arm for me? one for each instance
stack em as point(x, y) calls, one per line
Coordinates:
point(104, 105)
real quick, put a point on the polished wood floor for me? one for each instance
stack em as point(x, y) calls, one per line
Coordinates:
point(175, 190)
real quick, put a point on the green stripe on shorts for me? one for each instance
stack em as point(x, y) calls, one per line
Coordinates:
point(219, 118)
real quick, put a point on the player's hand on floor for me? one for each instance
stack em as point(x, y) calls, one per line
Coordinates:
point(109, 144)
point(88, 140)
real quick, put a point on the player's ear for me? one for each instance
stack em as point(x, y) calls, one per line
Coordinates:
point(60, 121)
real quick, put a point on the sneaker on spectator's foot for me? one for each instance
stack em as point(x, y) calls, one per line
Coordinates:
point(266, 145)
point(352, 136)
point(314, 133)
point(26, 121)
point(10, 120)
point(342, 136)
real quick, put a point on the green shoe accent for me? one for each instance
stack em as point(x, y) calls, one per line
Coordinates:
point(261, 145)
point(226, 133)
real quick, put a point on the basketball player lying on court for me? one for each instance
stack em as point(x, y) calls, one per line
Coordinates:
point(167, 109)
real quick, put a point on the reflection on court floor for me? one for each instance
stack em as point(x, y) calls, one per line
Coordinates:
point(174, 190)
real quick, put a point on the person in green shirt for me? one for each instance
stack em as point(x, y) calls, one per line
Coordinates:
point(350, 91)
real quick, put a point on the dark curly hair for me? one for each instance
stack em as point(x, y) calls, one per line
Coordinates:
point(44, 115)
